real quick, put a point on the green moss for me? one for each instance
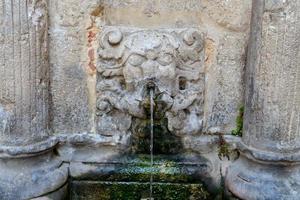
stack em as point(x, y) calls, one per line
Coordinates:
point(140, 170)
point(164, 141)
point(130, 181)
point(224, 148)
point(239, 123)
point(136, 191)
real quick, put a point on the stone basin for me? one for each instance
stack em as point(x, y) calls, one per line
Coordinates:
point(172, 179)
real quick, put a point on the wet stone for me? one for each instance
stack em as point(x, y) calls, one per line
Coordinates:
point(136, 191)
point(165, 142)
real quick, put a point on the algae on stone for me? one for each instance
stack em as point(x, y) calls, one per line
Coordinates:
point(239, 123)
point(93, 190)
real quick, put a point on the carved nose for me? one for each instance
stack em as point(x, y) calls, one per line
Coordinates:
point(149, 69)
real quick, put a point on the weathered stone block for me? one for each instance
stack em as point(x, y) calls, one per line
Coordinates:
point(131, 59)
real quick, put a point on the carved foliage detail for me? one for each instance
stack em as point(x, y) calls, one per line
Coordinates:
point(130, 58)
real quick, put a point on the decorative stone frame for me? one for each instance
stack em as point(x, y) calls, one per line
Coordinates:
point(131, 58)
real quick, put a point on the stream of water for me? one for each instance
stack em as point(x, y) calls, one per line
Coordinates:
point(151, 139)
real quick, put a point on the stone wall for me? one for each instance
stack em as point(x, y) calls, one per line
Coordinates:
point(73, 46)
point(85, 85)
point(76, 56)
point(63, 69)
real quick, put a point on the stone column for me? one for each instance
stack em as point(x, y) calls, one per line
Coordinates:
point(28, 167)
point(268, 167)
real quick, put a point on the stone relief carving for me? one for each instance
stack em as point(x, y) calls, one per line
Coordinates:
point(131, 59)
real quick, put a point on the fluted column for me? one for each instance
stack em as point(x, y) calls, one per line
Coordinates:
point(24, 76)
point(25, 144)
point(270, 147)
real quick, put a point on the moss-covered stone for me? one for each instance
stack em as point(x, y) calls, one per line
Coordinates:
point(173, 179)
point(164, 141)
point(224, 148)
point(136, 191)
point(239, 123)
point(143, 173)
point(163, 170)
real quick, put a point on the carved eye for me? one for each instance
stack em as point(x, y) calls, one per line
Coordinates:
point(136, 59)
point(165, 59)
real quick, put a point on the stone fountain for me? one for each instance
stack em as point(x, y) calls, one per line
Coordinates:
point(139, 99)
point(165, 67)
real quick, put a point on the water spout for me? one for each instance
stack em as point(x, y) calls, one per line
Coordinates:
point(151, 136)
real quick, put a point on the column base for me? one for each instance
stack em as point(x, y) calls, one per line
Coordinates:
point(31, 175)
point(60, 194)
point(248, 179)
